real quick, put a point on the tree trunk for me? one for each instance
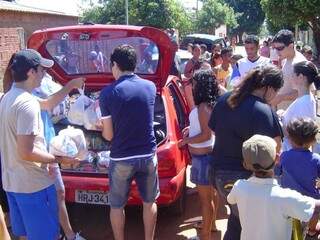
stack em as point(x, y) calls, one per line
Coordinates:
point(240, 34)
point(316, 37)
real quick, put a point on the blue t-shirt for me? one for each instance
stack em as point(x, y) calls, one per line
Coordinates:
point(129, 102)
point(299, 170)
point(234, 126)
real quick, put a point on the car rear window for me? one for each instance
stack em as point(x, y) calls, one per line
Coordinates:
point(92, 56)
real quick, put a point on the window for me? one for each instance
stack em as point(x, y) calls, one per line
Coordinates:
point(83, 55)
point(180, 110)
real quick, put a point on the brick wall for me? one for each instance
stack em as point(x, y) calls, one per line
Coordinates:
point(11, 40)
point(31, 22)
point(17, 27)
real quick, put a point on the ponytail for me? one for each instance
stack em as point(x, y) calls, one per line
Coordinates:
point(259, 77)
point(316, 81)
point(309, 70)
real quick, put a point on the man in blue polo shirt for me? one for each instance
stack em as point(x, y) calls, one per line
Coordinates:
point(127, 108)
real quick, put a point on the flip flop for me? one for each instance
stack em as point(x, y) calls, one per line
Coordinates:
point(198, 225)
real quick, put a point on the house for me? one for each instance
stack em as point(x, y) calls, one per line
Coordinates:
point(19, 21)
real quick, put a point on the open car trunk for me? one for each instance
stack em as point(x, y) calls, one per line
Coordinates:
point(97, 160)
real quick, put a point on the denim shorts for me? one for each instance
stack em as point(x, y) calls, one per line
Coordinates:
point(35, 215)
point(201, 169)
point(143, 170)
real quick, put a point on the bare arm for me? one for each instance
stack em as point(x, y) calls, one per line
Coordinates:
point(278, 148)
point(292, 95)
point(107, 128)
point(55, 99)
point(313, 228)
point(3, 228)
point(28, 152)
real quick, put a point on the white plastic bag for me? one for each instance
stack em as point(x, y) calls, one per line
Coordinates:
point(103, 160)
point(70, 142)
point(77, 109)
point(47, 88)
point(78, 138)
point(63, 146)
point(92, 116)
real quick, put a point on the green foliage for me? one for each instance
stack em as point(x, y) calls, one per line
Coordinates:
point(157, 13)
point(213, 14)
point(250, 15)
point(291, 12)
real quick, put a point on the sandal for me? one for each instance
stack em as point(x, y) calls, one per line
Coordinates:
point(198, 225)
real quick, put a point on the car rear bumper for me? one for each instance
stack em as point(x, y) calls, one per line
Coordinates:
point(170, 187)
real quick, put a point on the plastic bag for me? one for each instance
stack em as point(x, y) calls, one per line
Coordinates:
point(46, 89)
point(92, 116)
point(78, 138)
point(103, 160)
point(70, 142)
point(78, 108)
point(60, 111)
point(63, 146)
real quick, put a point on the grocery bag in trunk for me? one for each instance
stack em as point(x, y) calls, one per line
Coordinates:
point(78, 108)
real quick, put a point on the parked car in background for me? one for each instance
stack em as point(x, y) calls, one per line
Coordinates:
point(206, 39)
point(89, 182)
point(184, 56)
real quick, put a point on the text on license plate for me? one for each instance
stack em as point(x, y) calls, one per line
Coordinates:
point(92, 197)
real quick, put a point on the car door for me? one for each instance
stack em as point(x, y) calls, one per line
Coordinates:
point(182, 113)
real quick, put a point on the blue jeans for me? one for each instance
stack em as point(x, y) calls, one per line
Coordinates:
point(35, 215)
point(224, 180)
point(143, 170)
point(201, 170)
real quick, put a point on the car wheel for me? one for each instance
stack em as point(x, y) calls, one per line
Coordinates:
point(178, 207)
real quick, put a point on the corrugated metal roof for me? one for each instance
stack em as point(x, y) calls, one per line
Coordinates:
point(16, 7)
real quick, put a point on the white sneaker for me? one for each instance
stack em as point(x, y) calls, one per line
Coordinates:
point(194, 238)
point(78, 237)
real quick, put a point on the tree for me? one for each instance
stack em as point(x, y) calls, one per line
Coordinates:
point(250, 16)
point(213, 14)
point(157, 13)
point(288, 12)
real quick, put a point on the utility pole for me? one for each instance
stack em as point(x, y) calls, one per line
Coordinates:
point(127, 12)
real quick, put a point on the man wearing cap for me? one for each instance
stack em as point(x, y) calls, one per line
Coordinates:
point(265, 209)
point(30, 190)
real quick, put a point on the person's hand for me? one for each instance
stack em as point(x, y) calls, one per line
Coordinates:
point(68, 162)
point(99, 125)
point(185, 132)
point(77, 82)
point(182, 143)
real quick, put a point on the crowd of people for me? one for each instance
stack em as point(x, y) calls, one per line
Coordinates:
point(252, 140)
point(264, 118)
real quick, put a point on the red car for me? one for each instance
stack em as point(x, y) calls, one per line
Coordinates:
point(84, 50)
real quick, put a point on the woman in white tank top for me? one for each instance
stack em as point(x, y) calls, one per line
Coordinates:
point(200, 140)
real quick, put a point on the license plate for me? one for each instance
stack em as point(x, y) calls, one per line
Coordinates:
point(92, 197)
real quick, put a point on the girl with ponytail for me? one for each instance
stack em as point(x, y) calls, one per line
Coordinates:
point(305, 75)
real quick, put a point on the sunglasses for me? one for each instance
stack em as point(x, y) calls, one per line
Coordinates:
point(280, 48)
